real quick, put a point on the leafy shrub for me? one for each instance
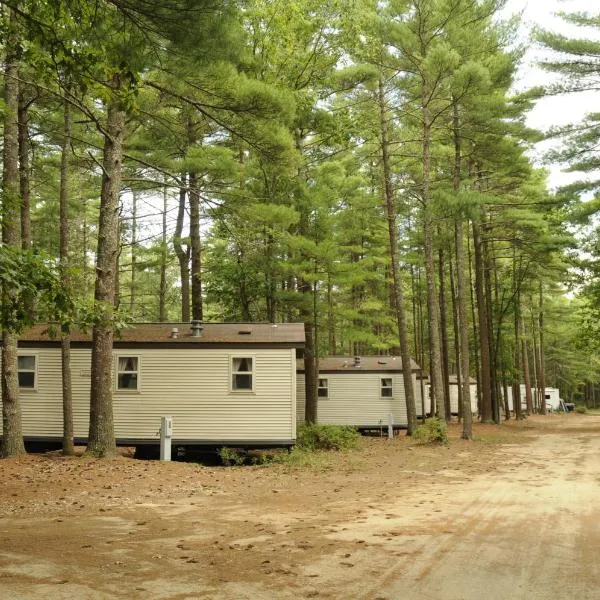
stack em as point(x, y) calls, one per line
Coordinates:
point(231, 456)
point(581, 409)
point(326, 437)
point(432, 431)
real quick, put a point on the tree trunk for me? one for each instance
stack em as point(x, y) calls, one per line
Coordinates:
point(397, 292)
point(432, 298)
point(101, 435)
point(194, 198)
point(133, 296)
point(482, 318)
point(461, 292)
point(526, 374)
point(65, 276)
point(542, 369)
point(517, 348)
point(183, 256)
point(12, 433)
point(444, 336)
point(162, 294)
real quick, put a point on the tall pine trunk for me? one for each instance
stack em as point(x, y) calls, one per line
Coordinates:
point(461, 292)
point(444, 335)
point(65, 342)
point(432, 299)
point(183, 255)
point(398, 295)
point(133, 289)
point(542, 369)
point(196, 256)
point(12, 433)
point(483, 322)
point(162, 294)
point(101, 441)
point(526, 373)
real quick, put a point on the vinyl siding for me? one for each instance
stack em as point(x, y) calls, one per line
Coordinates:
point(190, 385)
point(453, 398)
point(355, 399)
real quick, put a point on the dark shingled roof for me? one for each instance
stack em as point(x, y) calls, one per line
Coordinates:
point(290, 334)
point(367, 363)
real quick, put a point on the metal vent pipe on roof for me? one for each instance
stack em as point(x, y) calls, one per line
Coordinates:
point(196, 328)
point(357, 361)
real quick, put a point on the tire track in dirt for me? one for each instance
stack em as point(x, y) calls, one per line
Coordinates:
point(515, 538)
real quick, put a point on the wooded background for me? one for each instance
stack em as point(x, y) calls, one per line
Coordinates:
point(359, 166)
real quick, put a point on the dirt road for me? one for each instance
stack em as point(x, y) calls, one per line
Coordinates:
point(511, 515)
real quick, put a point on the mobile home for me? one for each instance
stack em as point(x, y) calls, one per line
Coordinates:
point(361, 391)
point(222, 384)
point(453, 386)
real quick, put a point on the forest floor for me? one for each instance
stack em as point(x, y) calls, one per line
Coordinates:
point(513, 514)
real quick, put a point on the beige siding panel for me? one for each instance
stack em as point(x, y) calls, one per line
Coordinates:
point(355, 399)
point(191, 385)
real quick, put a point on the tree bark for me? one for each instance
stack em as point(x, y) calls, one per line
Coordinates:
point(526, 374)
point(398, 294)
point(12, 433)
point(461, 292)
point(183, 256)
point(444, 335)
point(101, 441)
point(24, 169)
point(196, 256)
point(542, 369)
point(162, 294)
point(133, 288)
point(482, 318)
point(65, 342)
point(432, 298)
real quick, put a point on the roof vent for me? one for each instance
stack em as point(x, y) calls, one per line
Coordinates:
point(357, 361)
point(244, 332)
point(196, 328)
point(174, 333)
point(382, 362)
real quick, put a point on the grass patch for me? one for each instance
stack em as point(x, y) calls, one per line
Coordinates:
point(581, 409)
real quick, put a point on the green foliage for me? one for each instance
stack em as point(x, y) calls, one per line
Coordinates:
point(231, 456)
point(312, 438)
point(432, 431)
point(31, 276)
point(581, 409)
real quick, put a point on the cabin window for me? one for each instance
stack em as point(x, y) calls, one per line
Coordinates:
point(128, 373)
point(242, 374)
point(386, 387)
point(547, 396)
point(323, 388)
point(27, 369)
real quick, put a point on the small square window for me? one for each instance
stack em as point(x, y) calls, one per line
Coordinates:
point(242, 374)
point(128, 373)
point(323, 388)
point(27, 371)
point(386, 387)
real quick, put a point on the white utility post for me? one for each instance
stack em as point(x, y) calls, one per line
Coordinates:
point(390, 426)
point(166, 434)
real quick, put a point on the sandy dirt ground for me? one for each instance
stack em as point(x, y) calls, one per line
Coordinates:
point(511, 515)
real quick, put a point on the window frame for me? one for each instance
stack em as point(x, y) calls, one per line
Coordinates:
point(383, 387)
point(118, 372)
point(233, 373)
point(35, 357)
point(325, 387)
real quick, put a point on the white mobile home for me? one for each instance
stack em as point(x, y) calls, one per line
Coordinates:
point(552, 398)
point(361, 391)
point(223, 384)
point(453, 386)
